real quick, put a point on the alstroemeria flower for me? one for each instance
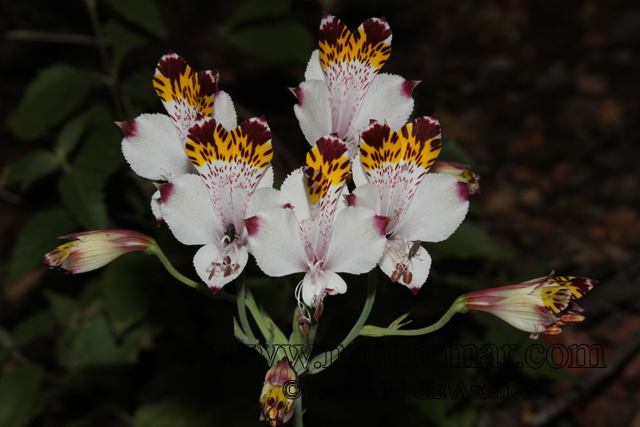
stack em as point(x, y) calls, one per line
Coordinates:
point(392, 179)
point(94, 249)
point(208, 209)
point(279, 393)
point(154, 144)
point(343, 90)
point(314, 234)
point(462, 172)
point(538, 306)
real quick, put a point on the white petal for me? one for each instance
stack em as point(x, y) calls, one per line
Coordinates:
point(366, 196)
point(264, 198)
point(313, 110)
point(418, 266)
point(437, 208)
point(188, 210)
point(274, 241)
point(388, 99)
point(293, 189)
point(156, 201)
point(314, 68)
point(211, 254)
point(223, 110)
point(153, 149)
point(267, 178)
point(315, 286)
point(357, 171)
point(357, 241)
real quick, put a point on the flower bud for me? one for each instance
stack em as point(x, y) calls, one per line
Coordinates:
point(279, 393)
point(462, 172)
point(94, 249)
point(538, 306)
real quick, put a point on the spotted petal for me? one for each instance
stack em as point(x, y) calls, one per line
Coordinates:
point(412, 272)
point(230, 162)
point(350, 61)
point(186, 95)
point(397, 162)
point(232, 259)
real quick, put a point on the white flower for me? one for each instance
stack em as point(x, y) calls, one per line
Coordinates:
point(315, 234)
point(391, 175)
point(343, 90)
point(154, 144)
point(208, 209)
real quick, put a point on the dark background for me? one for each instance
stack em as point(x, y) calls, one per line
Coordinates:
point(539, 97)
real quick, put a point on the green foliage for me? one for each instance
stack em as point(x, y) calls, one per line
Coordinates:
point(253, 10)
point(278, 42)
point(82, 194)
point(35, 165)
point(122, 40)
point(173, 412)
point(34, 327)
point(126, 290)
point(101, 153)
point(62, 307)
point(19, 399)
point(469, 241)
point(141, 12)
point(38, 237)
point(70, 134)
point(57, 91)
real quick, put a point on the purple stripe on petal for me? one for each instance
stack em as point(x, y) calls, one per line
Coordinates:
point(351, 199)
point(297, 91)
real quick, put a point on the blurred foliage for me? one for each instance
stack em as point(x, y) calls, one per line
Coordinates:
point(127, 345)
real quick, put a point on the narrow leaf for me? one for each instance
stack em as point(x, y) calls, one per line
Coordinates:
point(82, 193)
point(30, 168)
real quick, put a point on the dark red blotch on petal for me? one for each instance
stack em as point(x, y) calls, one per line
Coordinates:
point(331, 148)
point(207, 82)
point(252, 225)
point(415, 290)
point(376, 31)
point(351, 199)
point(331, 29)
point(408, 86)
point(172, 66)
point(166, 191)
point(376, 134)
point(257, 131)
point(463, 190)
point(128, 127)
point(380, 223)
point(425, 128)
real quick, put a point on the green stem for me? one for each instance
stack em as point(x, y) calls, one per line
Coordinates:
point(154, 249)
point(375, 331)
point(297, 412)
point(355, 331)
point(242, 311)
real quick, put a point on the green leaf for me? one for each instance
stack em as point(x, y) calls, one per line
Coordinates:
point(57, 91)
point(173, 413)
point(240, 335)
point(62, 306)
point(141, 12)
point(101, 152)
point(19, 395)
point(125, 286)
point(30, 168)
point(251, 10)
point(138, 92)
point(72, 131)
point(6, 340)
point(94, 346)
point(82, 193)
point(34, 327)
point(281, 42)
point(38, 237)
point(468, 241)
point(122, 41)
